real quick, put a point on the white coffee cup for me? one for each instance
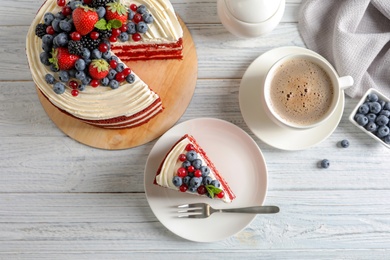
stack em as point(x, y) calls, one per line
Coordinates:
point(302, 91)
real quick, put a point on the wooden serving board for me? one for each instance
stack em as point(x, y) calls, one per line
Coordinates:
point(173, 80)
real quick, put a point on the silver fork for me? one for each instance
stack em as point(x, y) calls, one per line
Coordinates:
point(204, 210)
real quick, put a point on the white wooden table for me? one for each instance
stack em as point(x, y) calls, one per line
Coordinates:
point(63, 200)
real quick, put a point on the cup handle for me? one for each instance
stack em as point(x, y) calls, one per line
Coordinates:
point(345, 82)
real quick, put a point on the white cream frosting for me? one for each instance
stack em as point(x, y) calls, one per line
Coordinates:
point(103, 102)
point(172, 164)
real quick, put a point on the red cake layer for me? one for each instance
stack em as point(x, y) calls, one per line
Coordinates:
point(149, 51)
point(209, 163)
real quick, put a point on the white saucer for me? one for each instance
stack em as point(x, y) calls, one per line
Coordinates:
point(261, 125)
point(236, 156)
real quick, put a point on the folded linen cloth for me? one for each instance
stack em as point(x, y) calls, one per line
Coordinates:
point(353, 35)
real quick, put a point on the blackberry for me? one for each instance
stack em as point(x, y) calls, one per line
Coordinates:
point(98, 3)
point(89, 43)
point(104, 34)
point(75, 47)
point(40, 30)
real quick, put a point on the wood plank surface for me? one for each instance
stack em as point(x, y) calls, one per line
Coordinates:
point(60, 199)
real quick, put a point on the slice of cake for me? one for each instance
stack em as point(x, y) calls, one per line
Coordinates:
point(76, 51)
point(187, 168)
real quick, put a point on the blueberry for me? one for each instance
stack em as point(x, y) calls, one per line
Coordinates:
point(197, 163)
point(387, 106)
point(382, 120)
point(114, 84)
point(362, 120)
point(50, 79)
point(344, 143)
point(63, 75)
point(86, 80)
point(385, 112)
point(371, 117)
point(80, 65)
point(207, 180)
point(48, 18)
point(185, 164)
point(375, 107)
point(59, 88)
point(191, 155)
point(106, 55)
point(371, 127)
point(80, 75)
point(372, 97)
point(148, 18)
point(44, 57)
point(47, 47)
point(113, 57)
point(81, 87)
point(61, 39)
point(124, 37)
point(54, 68)
point(325, 163)
point(72, 73)
point(105, 81)
point(205, 171)
point(120, 67)
point(177, 181)
point(363, 109)
point(130, 15)
point(60, 16)
point(383, 131)
point(101, 11)
point(111, 74)
point(142, 27)
point(186, 180)
point(96, 54)
point(196, 182)
point(130, 78)
point(131, 29)
point(48, 39)
point(192, 189)
point(74, 4)
point(56, 25)
point(66, 26)
point(142, 9)
point(86, 54)
point(216, 183)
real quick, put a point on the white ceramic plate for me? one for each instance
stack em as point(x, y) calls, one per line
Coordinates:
point(236, 156)
point(261, 125)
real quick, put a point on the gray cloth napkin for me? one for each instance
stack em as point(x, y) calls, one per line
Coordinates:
point(353, 35)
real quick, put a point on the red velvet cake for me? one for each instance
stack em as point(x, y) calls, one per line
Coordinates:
point(76, 51)
point(187, 168)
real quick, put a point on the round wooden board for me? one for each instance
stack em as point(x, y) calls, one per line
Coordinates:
point(173, 80)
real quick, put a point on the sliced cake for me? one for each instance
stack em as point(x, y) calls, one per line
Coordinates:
point(76, 51)
point(187, 168)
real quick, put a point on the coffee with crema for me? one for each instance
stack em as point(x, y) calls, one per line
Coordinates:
point(301, 92)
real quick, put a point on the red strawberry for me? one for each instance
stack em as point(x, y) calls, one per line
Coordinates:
point(62, 59)
point(84, 19)
point(116, 11)
point(98, 69)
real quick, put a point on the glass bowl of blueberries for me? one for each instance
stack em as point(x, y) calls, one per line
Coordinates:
point(372, 116)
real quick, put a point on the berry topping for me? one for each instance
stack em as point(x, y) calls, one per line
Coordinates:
point(94, 35)
point(221, 194)
point(59, 87)
point(191, 169)
point(62, 59)
point(103, 47)
point(127, 71)
point(98, 69)
point(191, 155)
point(50, 30)
point(198, 173)
point(344, 143)
point(182, 157)
point(136, 37)
point(74, 92)
point(116, 11)
point(73, 84)
point(202, 190)
point(40, 30)
point(94, 83)
point(61, 2)
point(181, 172)
point(183, 187)
point(189, 147)
point(84, 19)
point(75, 36)
point(177, 181)
point(137, 18)
point(133, 7)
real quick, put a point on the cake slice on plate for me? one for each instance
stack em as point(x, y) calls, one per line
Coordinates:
point(187, 168)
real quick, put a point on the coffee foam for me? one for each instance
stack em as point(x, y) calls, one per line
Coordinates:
point(301, 92)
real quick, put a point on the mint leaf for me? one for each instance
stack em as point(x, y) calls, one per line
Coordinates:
point(114, 24)
point(212, 190)
point(101, 24)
